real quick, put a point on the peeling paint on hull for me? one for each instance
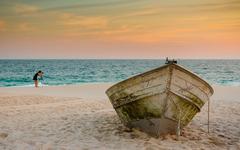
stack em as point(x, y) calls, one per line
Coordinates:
point(156, 100)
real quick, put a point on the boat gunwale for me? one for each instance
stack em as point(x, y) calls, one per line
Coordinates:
point(162, 67)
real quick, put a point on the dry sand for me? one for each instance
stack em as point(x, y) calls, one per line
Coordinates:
point(81, 117)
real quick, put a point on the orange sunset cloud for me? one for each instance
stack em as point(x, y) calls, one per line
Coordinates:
point(154, 27)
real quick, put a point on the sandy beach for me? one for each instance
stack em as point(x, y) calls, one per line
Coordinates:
point(81, 117)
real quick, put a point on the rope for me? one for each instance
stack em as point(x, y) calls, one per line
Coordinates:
point(208, 116)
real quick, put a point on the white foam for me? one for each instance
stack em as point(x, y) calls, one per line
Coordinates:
point(30, 85)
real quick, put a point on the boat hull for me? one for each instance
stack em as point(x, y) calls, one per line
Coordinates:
point(159, 100)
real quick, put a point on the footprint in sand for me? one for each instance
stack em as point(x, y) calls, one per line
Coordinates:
point(3, 135)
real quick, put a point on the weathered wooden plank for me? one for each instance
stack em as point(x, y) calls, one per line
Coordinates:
point(157, 100)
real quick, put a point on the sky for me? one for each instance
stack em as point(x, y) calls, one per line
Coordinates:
point(120, 29)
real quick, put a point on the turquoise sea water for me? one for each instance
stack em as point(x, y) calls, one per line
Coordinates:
point(62, 72)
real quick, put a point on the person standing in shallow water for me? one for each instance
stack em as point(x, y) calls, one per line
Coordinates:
point(35, 77)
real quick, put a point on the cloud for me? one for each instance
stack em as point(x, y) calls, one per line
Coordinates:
point(25, 9)
point(151, 23)
point(87, 22)
point(26, 27)
point(229, 6)
point(84, 6)
point(32, 9)
point(139, 13)
point(158, 8)
point(217, 4)
point(2, 25)
point(94, 26)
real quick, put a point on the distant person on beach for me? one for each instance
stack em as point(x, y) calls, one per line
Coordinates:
point(35, 77)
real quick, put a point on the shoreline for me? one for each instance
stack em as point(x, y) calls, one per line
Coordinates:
point(98, 89)
point(94, 91)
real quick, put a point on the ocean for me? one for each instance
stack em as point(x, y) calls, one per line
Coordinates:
point(64, 72)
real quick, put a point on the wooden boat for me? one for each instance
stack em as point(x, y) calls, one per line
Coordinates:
point(160, 101)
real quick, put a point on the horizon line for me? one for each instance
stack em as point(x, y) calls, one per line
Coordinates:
point(119, 58)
